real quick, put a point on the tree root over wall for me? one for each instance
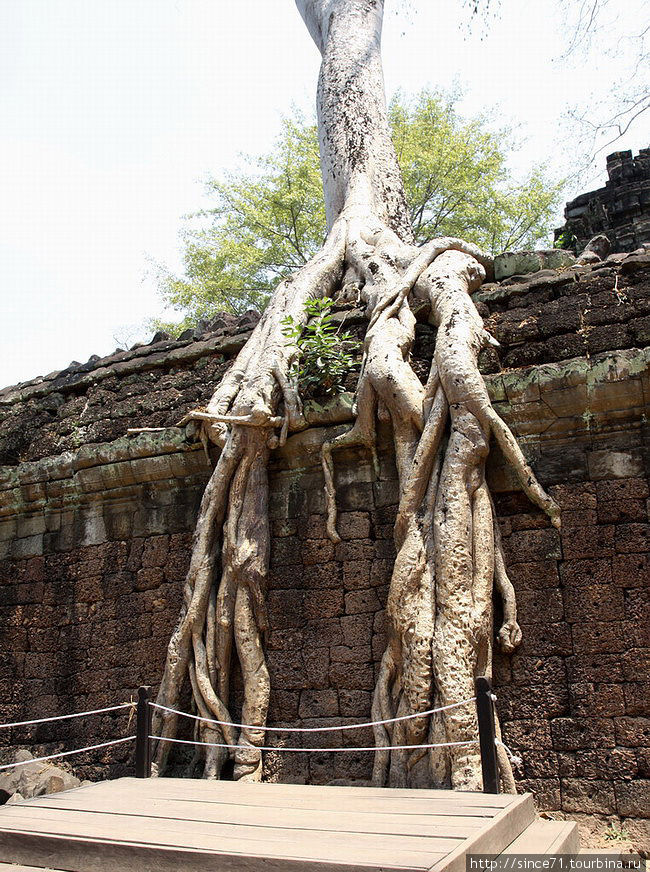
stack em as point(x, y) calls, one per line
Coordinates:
point(449, 557)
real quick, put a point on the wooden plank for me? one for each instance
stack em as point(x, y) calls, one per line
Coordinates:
point(363, 822)
point(546, 837)
point(315, 798)
point(226, 838)
point(12, 867)
point(88, 855)
point(494, 836)
point(333, 792)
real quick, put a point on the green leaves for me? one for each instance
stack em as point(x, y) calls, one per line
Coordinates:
point(324, 353)
point(457, 181)
point(269, 219)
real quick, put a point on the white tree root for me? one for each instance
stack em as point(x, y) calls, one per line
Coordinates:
point(449, 554)
point(232, 530)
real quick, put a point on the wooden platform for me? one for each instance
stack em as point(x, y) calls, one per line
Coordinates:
point(181, 825)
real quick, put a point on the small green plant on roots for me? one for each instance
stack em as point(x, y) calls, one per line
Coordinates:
point(325, 355)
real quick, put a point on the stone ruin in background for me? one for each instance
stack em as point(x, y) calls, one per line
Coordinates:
point(620, 210)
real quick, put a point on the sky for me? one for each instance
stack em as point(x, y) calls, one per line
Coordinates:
point(114, 111)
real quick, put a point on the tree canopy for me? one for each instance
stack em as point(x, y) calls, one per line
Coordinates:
point(269, 219)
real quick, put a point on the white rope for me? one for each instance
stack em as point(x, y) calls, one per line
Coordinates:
point(112, 708)
point(314, 750)
point(443, 708)
point(67, 753)
point(515, 759)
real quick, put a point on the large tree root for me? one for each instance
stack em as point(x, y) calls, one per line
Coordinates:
point(448, 548)
point(232, 530)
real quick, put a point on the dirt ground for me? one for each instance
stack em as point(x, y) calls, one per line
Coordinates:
point(609, 833)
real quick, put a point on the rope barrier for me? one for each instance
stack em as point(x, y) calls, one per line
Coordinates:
point(443, 708)
point(112, 708)
point(314, 750)
point(67, 753)
point(515, 759)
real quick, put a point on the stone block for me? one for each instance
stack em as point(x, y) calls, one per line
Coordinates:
point(540, 764)
point(588, 796)
point(319, 703)
point(384, 515)
point(323, 604)
point(355, 550)
point(285, 640)
point(635, 664)
point(381, 572)
point(286, 551)
point(527, 734)
point(574, 734)
point(583, 518)
point(633, 798)
point(622, 489)
point(356, 574)
point(637, 697)
point(594, 602)
point(540, 574)
point(598, 637)
point(344, 654)
point(637, 606)
point(361, 601)
point(322, 634)
point(534, 701)
point(286, 609)
point(319, 576)
point(604, 464)
point(315, 551)
point(631, 570)
point(540, 606)
point(546, 640)
point(281, 528)
point(353, 525)
point(312, 527)
point(355, 704)
point(596, 700)
point(386, 493)
point(574, 497)
point(352, 676)
point(512, 263)
point(357, 629)
point(532, 545)
point(613, 763)
point(546, 792)
point(632, 538)
point(358, 496)
point(591, 542)
point(155, 551)
point(585, 573)
point(316, 663)
point(633, 732)
point(538, 670)
point(283, 706)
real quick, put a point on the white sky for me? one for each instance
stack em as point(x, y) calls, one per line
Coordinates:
point(112, 112)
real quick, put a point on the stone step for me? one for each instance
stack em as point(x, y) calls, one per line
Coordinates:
point(546, 837)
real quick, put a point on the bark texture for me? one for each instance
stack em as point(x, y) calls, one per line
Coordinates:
point(449, 555)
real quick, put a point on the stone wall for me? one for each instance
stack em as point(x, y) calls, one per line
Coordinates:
point(96, 540)
point(620, 210)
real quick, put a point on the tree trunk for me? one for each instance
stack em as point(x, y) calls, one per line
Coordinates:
point(449, 558)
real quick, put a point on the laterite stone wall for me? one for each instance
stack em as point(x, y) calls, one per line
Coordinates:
point(95, 531)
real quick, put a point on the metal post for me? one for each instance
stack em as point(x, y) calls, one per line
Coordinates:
point(486, 734)
point(143, 729)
